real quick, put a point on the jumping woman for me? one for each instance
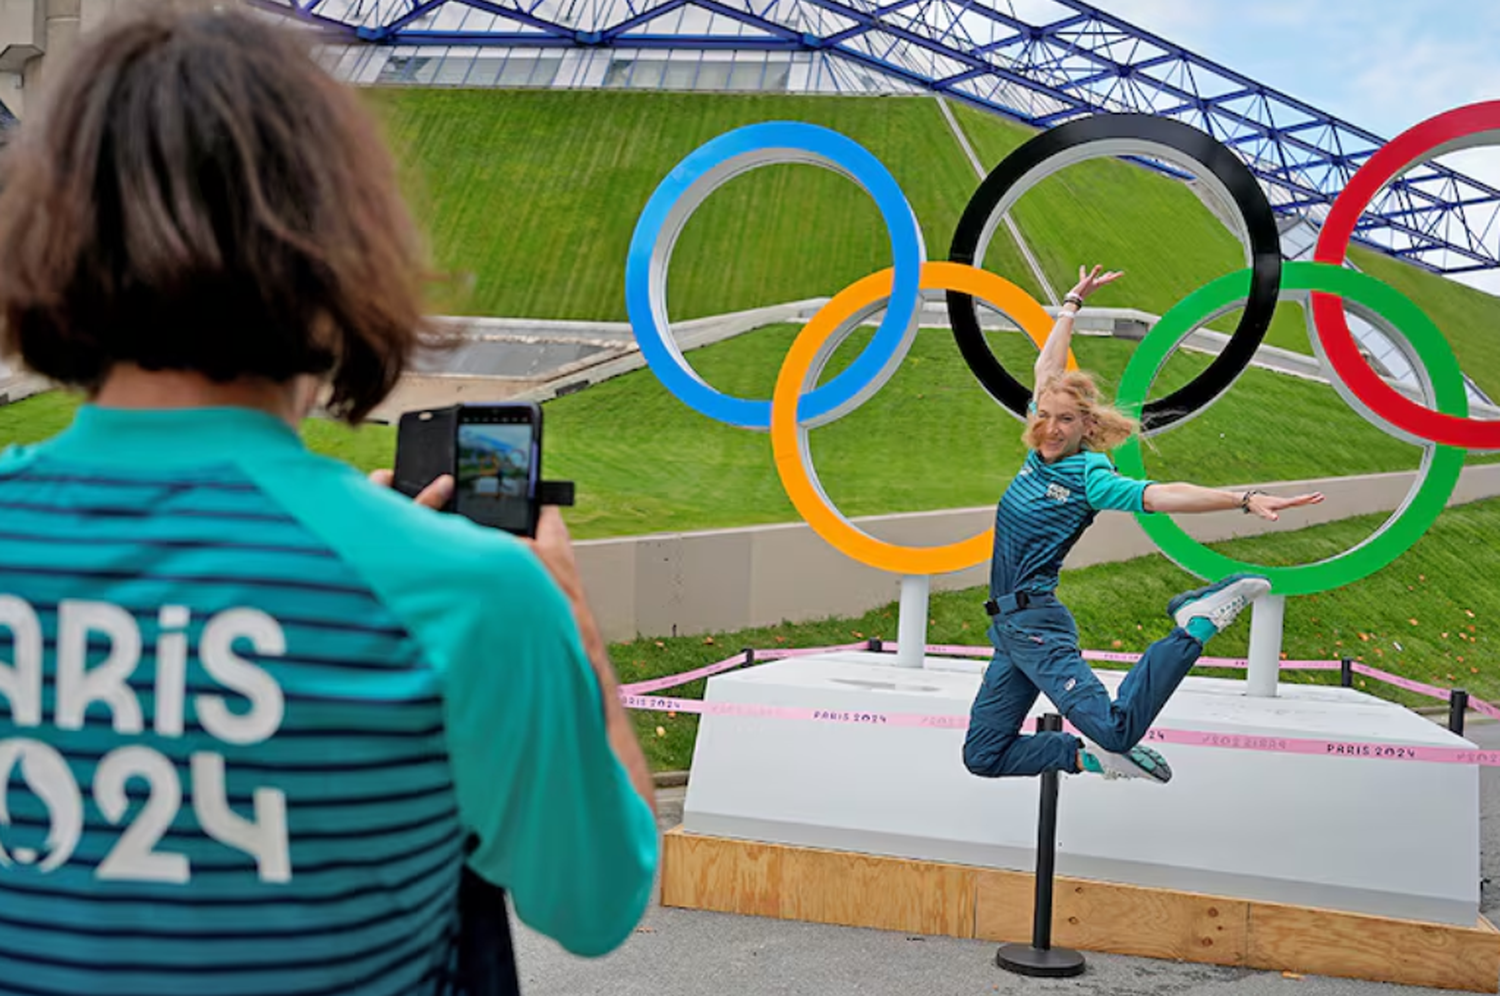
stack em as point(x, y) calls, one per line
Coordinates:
point(1066, 480)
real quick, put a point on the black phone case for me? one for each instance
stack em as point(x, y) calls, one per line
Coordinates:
point(425, 449)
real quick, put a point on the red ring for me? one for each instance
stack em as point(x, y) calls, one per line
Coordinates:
point(1411, 147)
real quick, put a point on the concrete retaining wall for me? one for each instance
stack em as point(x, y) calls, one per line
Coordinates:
point(726, 579)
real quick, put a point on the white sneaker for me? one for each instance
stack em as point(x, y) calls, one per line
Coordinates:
point(1138, 762)
point(1220, 603)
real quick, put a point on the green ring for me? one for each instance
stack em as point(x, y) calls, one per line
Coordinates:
point(1440, 464)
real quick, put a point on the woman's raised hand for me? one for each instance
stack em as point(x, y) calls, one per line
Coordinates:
point(1267, 506)
point(1091, 280)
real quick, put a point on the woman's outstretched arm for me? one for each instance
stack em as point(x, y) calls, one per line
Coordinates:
point(1054, 356)
point(1181, 497)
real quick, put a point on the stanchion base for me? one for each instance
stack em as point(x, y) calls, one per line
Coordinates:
point(1054, 963)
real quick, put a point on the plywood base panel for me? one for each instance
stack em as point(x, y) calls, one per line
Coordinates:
point(924, 897)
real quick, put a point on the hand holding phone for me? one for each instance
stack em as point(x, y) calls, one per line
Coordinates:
point(493, 452)
point(436, 495)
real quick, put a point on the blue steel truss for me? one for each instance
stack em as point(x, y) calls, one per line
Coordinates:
point(1065, 59)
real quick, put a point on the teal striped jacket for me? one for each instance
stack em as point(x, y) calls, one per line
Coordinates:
point(256, 713)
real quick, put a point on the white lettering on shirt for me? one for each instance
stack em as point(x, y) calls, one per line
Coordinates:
point(50, 780)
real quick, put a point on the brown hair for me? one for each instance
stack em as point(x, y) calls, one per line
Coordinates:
point(1106, 427)
point(197, 194)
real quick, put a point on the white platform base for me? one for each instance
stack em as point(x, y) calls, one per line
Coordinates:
point(1391, 838)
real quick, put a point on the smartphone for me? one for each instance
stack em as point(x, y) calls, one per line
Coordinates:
point(493, 451)
point(498, 454)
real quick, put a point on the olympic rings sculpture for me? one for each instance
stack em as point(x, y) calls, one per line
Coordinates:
point(1325, 286)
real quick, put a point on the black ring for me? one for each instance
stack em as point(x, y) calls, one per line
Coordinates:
point(1217, 159)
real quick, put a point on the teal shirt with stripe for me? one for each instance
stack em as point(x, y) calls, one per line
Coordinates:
point(1045, 510)
point(256, 713)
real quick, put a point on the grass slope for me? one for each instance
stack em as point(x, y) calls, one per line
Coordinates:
point(537, 193)
point(1422, 617)
point(1125, 217)
point(533, 195)
point(930, 439)
point(1467, 317)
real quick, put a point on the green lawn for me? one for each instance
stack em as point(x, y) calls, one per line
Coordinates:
point(536, 194)
point(930, 439)
point(1469, 318)
point(1126, 218)
point(1423, 617)
point(530, 198)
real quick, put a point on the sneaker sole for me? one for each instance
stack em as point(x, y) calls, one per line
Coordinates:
point(1197, 593)
point(1163, 772)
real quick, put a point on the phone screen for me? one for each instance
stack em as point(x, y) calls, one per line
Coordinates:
point(496, 468)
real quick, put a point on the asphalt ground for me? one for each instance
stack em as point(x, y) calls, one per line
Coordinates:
point(680, 952)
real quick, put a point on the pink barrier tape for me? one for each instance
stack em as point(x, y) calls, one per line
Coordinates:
point(1400, 682)
point(1325, 748)
point(639, 690)
point(673, 680)
point(1185, 738)
point(727, 664)
point(1125, 657)
point(859, 717)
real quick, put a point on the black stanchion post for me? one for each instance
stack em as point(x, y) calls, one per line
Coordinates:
point(749, 653)
point(875, 646)
point(1458, 704)
point(1040, 958)
point(1346, 672)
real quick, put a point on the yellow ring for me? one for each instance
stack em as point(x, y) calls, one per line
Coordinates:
point(796, 473)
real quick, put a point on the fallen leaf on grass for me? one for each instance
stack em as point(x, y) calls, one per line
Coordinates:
point(1412, 621)
point(661, 731)
point(708, 641)
point(660, 644)
point(1469, 613)
point(1365, 637)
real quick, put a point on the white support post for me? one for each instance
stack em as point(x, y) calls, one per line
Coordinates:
point(1267, 615)
point(911, 627)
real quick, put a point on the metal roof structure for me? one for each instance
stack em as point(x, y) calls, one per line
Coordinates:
point(1042, 62)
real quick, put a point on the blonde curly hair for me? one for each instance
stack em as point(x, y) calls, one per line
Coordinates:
point(1106, 427)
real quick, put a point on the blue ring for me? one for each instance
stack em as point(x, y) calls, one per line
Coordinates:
point(842, 154)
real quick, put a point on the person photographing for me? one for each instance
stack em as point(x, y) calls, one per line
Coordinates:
point(258, 713)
